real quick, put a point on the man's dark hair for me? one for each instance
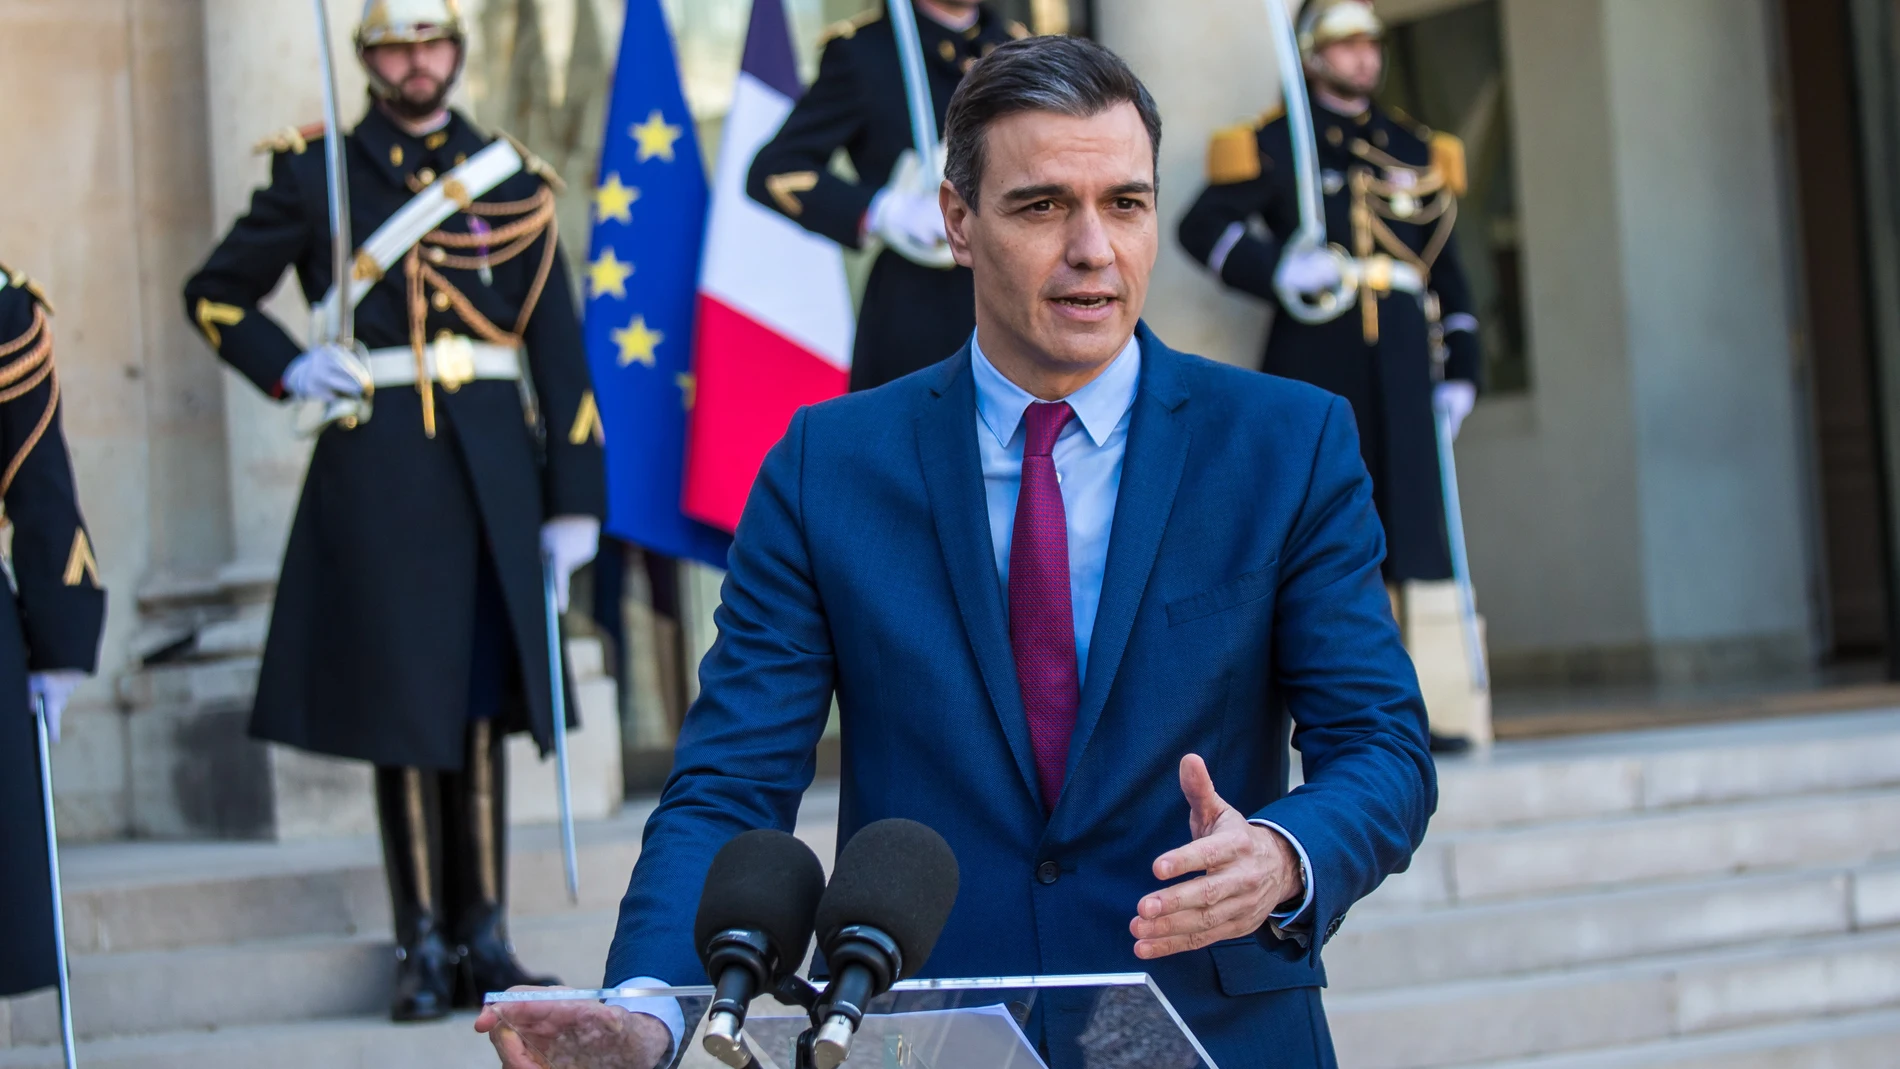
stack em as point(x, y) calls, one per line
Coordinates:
point(1067, 75)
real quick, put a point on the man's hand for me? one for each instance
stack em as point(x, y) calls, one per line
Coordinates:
point(568, 543)
point(1304, 270)
point(541, 1035)
point(1455, 398)
point(1250, 870)
point(53, 689)
point(326, 373)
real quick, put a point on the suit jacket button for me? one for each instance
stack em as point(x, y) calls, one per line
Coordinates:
point(1048, 872)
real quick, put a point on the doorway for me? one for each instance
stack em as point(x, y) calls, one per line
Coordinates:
point(1838, 342)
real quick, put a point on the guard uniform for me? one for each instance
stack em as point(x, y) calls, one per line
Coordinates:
point(51, 618)
point(912, 316)
point(410, 629)
point(1390, 188)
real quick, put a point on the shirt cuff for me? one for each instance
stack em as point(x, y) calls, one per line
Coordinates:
point(1283, 923)
point(666, 1010)
point(1230, 237)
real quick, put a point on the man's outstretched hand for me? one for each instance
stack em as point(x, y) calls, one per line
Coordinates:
point(1250, 872)
point(547, 1035)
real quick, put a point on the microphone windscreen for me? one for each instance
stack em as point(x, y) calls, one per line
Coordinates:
point(764, 880)
point(899, 877)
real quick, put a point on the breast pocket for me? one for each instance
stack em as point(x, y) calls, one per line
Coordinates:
point(1248, 588)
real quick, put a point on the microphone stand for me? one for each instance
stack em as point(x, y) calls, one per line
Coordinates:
point(797, 991)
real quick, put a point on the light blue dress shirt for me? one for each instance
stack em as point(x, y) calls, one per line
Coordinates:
point(1088, 457)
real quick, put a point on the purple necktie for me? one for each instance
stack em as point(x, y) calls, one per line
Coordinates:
point(1041, 615)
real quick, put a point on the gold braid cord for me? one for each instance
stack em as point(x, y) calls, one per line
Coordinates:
point(422, 269)
point(21, 372)
point(1373, 198)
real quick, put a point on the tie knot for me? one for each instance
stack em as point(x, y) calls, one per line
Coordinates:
point(1045, 421)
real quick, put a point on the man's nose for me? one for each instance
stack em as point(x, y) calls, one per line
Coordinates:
point(1089, 248)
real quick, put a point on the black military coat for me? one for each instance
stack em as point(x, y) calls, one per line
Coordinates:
point(912, 316)
point(370, 646)
point(1389, 383)
point(50, 620)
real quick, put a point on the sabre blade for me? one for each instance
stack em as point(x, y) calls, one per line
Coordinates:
point(68, 1046)
point(1299, 122)
point(557, 693)
point(910, 54)
point(342, 246)
point(1460, 562)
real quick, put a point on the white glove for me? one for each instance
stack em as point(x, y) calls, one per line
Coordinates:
point(567, 544)
point(326, 373)
point(1455, 398)
point(907, 215)
point(53, 688)
point(1306, 270)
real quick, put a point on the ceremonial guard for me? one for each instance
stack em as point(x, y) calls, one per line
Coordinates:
point(49, 627)
point(919, 307)
point(1390, 189)
point(461, 448)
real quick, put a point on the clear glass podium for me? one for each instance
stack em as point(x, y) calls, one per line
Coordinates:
point(1113, 1021)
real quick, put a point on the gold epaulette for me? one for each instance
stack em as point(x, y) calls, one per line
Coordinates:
point(535, 165)
point(291, 139)
point(1233, 154)
point(1416, 128)
point(1018, 31)
point(1448, 159)
point(10, 278)
point(846, 29)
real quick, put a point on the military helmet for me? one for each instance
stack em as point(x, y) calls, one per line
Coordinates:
point(1328, 22)
point(407, 22)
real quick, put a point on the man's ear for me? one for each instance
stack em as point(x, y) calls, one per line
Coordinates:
point(957, 218)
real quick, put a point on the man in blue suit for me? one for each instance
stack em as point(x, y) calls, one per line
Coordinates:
point(1071, 589)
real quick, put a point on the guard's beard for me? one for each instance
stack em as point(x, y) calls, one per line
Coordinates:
point(1322, 74)
point(409, 109)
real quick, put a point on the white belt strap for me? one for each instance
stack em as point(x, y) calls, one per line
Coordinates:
point(425, 211)
point(1386, 274)
point(452, 360)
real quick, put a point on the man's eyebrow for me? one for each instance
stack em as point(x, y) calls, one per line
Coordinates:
point(1048, 191)
point(1127, 189)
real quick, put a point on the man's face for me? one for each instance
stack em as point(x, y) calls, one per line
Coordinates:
point(1065, 238)
point(1354, 66)
point(420, 72)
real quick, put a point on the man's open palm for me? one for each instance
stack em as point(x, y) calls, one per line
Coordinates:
point(1250, 871)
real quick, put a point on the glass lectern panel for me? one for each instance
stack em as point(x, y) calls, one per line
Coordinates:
point(1119, 1021)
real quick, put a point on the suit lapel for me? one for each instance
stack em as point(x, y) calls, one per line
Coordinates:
point(953, 475)
point(1157, 452)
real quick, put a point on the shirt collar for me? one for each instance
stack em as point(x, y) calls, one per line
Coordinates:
point(1099, 406)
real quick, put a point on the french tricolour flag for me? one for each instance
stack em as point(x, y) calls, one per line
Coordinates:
point(775, 319)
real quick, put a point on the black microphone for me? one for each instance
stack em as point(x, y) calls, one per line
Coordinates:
point(754, 923)
point(890, 895)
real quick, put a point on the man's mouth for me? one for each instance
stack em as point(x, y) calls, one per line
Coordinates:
point(1094, 301)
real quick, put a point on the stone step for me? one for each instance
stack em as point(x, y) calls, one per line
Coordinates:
point(1462, 1024)
point(354, 1043)
point(1854, 1041)
point(286, 980)
point(1812, 831)
point(1405, 949)
point(130, 897)
point(1605, 775)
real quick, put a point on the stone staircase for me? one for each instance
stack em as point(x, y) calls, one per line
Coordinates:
point(240, 955)
point(1698, 898)
point(1718, 896)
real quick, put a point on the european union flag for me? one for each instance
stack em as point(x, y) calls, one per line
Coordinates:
point(642, 274)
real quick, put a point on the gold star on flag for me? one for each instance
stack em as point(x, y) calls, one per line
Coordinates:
point(615, 201)
point(689, 389)
point(656, 137)
point(637, 342)
point(609, 274)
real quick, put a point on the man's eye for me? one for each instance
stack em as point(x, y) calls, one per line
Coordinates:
point(1043, 206)
point(1129, 204)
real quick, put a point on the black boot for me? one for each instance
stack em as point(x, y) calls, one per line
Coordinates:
point(412, 858)
point(475, 819)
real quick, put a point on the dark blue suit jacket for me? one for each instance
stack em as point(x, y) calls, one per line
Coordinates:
point(1242, 586)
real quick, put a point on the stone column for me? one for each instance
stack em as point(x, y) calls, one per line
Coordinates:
point(1208, 65)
